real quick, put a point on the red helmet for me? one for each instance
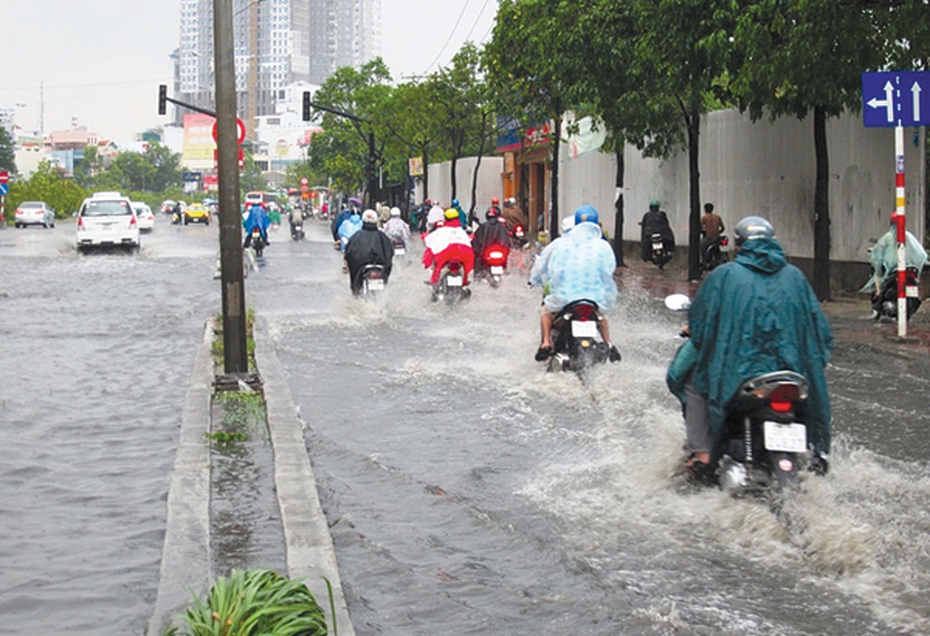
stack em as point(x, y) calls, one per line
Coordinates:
point(495, 201)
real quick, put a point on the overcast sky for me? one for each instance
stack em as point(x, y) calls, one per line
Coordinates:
point(101, 61)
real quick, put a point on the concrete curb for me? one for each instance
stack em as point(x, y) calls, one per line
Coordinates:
point(185, 563)
point(309, 546)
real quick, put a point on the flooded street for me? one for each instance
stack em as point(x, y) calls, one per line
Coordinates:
point(467, 490)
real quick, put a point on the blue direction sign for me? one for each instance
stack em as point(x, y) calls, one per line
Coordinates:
point(4, 189)
point(896, 98)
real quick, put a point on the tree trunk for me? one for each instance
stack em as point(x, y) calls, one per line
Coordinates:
point(821, 208)
point(554, 203)
point(425, 172)
point(618, 210)
point(474, 178)
point(453, 163)
point(694, 225)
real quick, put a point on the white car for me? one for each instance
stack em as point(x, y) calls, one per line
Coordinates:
point(107, 221)
point(144, 215)
point(33, 213)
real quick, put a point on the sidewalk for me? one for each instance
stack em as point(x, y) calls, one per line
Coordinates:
point(849, 313)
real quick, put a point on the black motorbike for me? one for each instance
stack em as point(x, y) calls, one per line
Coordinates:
point(400, 249)
point(297, 228)
point(765, 439)
point(714, 253)
point(885, 301)
point(661, 250)
point(372, 279)
point(256, 241)
point(577, 344)
point(451, 287)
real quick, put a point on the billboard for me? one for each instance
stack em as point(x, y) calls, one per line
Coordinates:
point(198, 138)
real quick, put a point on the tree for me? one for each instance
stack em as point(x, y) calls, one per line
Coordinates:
point(805, 56)
point(7, 151)
point(251, 177)
point(532, 68)
point(683, 49)
point(48, 184)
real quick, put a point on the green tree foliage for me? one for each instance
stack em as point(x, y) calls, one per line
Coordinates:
point(251, 177)
point(532, 69)
point(48, 184)
point(7, 151)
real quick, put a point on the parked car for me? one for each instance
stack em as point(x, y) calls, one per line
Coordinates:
point(105, 220)
point(167, 207)
point(34, 213)
point(144, 216)
point(196, 213)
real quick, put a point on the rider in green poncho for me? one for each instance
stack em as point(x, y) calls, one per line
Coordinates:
point(756, 315)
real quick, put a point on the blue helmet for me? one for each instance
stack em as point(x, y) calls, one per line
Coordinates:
point(585, 214)
point(455, 203)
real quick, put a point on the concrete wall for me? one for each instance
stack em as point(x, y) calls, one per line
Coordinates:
point(765, 168)
point(489, 182)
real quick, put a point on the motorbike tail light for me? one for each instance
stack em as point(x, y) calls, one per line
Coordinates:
point(584, 312)
point(454, 267)
point(783, 397)
point(724, 241)
point(496, 254)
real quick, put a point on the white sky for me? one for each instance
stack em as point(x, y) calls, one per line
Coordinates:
point(101, 61)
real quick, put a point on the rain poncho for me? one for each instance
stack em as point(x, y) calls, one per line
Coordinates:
point(655, 222)
point(370, 246)
point(448, 243)
point(491, 232)
point(756, 315)
point(349, 227)
point(257, 217)
point(397, 229)
point(434, 215)
point(884, 258)
point(579, 266)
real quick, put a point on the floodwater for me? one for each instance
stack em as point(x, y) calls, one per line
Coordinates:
point(467, 490)
point(470, 492)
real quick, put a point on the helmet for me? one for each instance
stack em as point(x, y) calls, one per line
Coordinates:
point(894, 216)
point(495, 201)
point(492, 213)
point(369, 216)
point(395, 211)
point(567, 224)
point(654, 203)
point(753, 227)
point(452, 213)
point(585, 214)
point(455, 202)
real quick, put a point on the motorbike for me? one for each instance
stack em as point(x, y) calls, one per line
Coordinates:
point(764, 440)
point(661, 254)
point(373, 280)
point(256, 242)
point(451, 286)
point(576, 340)
point(297, 228)
point(494, 261)
point(177, 218)
point(518, 236)
point(400, 249)
point(885, 301)
point(714, 253)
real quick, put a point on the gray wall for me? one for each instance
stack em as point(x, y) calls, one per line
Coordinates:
point(489, 182)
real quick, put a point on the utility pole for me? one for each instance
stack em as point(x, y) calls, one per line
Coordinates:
point(235, 352)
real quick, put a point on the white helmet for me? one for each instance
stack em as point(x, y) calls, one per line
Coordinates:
point(395, 211)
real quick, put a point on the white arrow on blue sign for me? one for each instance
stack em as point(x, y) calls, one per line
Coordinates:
point(4, 189)
point(896, 98)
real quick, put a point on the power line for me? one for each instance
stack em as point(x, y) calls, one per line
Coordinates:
point(483, 7)
point(36, 87)
point(449, 39)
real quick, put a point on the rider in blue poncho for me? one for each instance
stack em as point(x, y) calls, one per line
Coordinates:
point(348, 227)
point(756, 315)
point(257, 217)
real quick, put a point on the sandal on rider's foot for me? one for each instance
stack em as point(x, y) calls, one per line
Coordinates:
point(613, 354)
point(543, 353)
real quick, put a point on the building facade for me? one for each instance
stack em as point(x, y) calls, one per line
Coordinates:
point(277, 43)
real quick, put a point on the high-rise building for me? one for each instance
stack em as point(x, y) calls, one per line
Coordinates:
point(277, 43)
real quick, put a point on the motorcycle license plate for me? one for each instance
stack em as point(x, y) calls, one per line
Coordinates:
point(497, 270)
point(399, 251)
point(656, 246)
point(454, 281)
point(584, 329)
point(375, 284)
point(789, 438)
point(912, 291)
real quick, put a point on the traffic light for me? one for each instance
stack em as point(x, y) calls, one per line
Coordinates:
point(162, 99)
point(306, 113)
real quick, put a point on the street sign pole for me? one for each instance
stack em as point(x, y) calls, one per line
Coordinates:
point(901, 224)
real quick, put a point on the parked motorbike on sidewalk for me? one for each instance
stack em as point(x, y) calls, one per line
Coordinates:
point(577, 344)
point(714, 253)
point(451, 287)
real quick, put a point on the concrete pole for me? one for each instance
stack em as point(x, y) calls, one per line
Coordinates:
point(235, 352)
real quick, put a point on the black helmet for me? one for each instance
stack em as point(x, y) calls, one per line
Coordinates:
point(753, 227)
point(492, 213)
